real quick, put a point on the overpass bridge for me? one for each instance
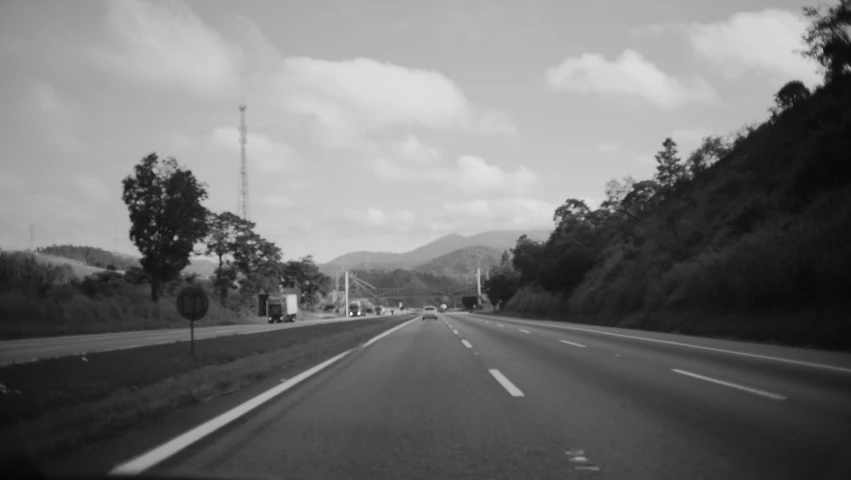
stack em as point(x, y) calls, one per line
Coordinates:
point(356, 287)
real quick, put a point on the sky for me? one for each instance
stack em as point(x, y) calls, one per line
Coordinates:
point(372, 125)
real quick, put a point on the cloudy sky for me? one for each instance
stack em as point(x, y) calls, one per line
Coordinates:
point(372, 124)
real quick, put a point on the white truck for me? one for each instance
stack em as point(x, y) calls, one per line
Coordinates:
point(282, 308)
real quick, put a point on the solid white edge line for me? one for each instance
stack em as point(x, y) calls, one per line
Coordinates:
point(572, 343)
point(755, 391)
point(467, 344)
point(524, 331)
point(166, 450)
point(506, 383)
point(700, 347)
point(388, 332)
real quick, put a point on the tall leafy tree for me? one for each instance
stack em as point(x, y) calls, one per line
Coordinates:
point(166, 216)
point(828, 39)
point(669, 169)
point(225, 230)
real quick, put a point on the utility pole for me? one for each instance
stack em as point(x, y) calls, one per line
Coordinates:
point(242, 205)
point(32, 238)
point(346, 306)
point(479, 282)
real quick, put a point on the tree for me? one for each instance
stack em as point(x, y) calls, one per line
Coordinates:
point(828, 39)
point(527, 258)
point(225, 229)
point(304, 275)
point(669, 169)
point(502, 284)
point(166, 216)
point(711, 150)
point(790, 94)
point(573, 210)
point(505, 258)
point(616, 192)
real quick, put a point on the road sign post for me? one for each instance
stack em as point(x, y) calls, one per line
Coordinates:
point(192, 304)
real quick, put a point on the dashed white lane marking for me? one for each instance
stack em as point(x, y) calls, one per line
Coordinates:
point(455, 332)
point(572, 343)
point(700, 347)
point(506, 383)
point(755, 391)
point(467, 344)
point(524, 331)
point(501, 325)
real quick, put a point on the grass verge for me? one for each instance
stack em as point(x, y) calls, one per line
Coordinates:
point(63, 405)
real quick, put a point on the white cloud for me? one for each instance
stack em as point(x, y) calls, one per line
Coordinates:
point(166, 44)
point(350, 97)
point(411, 148)
point(762, 43)
point(269, 155)
point(471, 174)
point(513, 212)
point(628, 75)
point(92, 186)
point(608, 147)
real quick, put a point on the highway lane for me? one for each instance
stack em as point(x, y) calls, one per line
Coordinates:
point(30, 349)
point(522, 401)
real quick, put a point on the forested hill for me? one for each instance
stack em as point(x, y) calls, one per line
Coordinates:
point(746, 237)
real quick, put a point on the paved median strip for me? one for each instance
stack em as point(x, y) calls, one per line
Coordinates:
point(506, 383)
point(755, 391)
point(572, 343)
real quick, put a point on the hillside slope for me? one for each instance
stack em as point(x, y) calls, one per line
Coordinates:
point(756, 247)
point(461, 264)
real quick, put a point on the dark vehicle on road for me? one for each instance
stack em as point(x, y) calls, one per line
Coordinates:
point(429, 312)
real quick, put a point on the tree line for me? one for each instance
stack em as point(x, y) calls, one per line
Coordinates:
point(169, 224)
point(582, 235)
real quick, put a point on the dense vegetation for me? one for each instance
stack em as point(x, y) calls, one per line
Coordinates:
point(40, 299)
point(93, 256)
point(168, 225)
point(746, 237)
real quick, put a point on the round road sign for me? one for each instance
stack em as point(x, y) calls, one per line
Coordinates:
point(192, 303)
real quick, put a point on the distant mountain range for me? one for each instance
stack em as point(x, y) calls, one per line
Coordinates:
point(451, 253)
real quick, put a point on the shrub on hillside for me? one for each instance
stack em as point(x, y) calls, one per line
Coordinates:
point(21, 271)
point(780, 264)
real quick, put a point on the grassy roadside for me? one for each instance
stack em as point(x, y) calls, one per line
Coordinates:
point(63, 405)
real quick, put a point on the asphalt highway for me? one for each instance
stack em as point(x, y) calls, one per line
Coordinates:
point(30, 349)
point(471, 396)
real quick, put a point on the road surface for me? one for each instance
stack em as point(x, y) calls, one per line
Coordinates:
point(29, 349)
point(487, 397)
